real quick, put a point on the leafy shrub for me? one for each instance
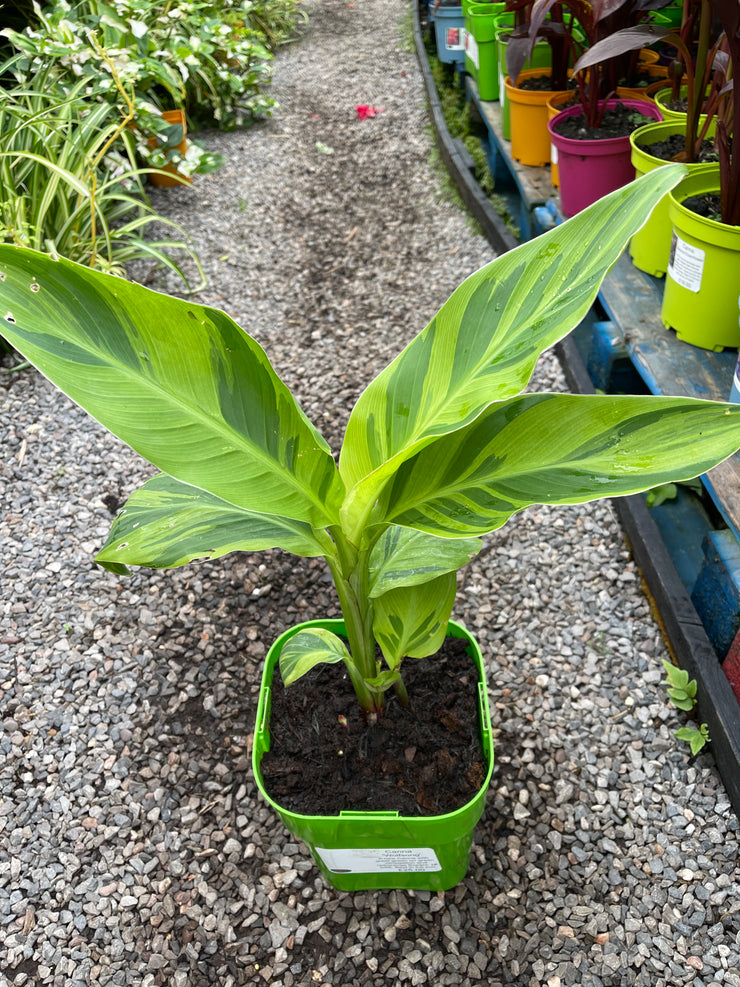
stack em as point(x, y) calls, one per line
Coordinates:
point(83, 101)
point(69, 183)
point(205, 58)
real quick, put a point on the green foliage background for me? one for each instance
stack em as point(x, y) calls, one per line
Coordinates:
point(82, 89)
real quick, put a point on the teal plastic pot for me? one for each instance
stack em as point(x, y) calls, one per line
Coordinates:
point(449, 32)
point(481, 50)
point(702, 283)
point(361, 850)
point(650, 247)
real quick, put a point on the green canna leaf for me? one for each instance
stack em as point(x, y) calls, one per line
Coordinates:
point(556, 449)
point(404, 557)
point(412, 621)
point(308, 648)
point(166, 523)
point(484, 342)
point(182, 384)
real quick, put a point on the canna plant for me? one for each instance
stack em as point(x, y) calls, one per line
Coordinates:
point(441, 448)
point(614, 32)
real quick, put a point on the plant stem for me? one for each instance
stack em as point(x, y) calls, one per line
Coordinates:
point(697, 79)
point(400, 690)
point(127, 119)
point(356, 619)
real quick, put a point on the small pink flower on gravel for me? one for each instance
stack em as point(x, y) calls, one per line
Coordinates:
point(364, 112)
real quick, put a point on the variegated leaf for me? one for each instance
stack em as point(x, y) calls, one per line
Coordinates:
point(557, 449)
point(412, 621)
point(308, 648)
point(484, 342)
point(404, 557)
point(167, 523)
point(180, 383)
point(383, 681)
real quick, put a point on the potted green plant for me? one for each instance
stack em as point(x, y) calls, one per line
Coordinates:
point(591, 139)
point(440, 449)
point(688, 137)
point(652, 145)
point(701, 293)
point(698, 74)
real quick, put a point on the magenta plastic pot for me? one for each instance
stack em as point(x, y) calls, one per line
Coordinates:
point(590, 169)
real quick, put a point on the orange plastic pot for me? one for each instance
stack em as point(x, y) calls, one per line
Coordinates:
point(648, 57)
point(530, 140)
point(556, 103)
point(168, 176)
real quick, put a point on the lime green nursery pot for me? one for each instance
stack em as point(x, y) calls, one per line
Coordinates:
point(650, 247)
point(703, 279)
point(382, 850)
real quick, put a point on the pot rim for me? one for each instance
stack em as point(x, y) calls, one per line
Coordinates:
point(703, 178)
point(455, 629)
point(571, 144)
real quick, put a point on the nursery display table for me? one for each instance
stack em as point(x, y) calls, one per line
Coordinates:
point(527, 190)
point(625, 348)
point(688, 549)
point(688, 546)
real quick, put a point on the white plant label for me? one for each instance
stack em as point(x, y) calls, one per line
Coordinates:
point(471, 48)
point(686, 264)
point(388, 860)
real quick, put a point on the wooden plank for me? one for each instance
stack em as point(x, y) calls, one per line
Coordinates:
point(670, 366)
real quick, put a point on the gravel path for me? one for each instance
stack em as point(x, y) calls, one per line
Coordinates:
point(134, 849)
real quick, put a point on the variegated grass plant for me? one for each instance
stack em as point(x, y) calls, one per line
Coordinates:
point(441, 448)
point(69, 182)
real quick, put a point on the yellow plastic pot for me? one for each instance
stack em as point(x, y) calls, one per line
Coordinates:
point(662, 98)
point(541, 58)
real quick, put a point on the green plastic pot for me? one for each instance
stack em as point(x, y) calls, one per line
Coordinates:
point(670, 16)
point(703, 278)
point(650, 247)
point(363, 850)
point(663, 97)
point(481, 50)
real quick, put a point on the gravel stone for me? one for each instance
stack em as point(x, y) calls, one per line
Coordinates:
point(136, 848)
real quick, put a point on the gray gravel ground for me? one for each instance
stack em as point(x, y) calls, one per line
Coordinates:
point(135, 850)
